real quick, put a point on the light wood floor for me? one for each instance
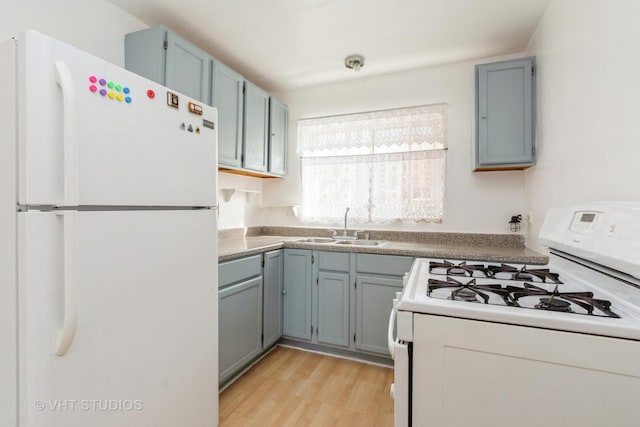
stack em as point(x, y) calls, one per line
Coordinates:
point(297, 388)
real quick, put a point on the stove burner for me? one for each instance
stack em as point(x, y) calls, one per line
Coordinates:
point(470, 291)
point(464, 294)
point(552, 304)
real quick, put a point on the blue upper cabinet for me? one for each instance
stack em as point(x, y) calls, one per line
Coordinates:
point(278, 127)
point(505, 115)
point(252, 126)
point(188, 68)
point(256, 127)
point(163, 56)
point(227, 96)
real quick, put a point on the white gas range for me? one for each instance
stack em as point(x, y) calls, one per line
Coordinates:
point(490, 344)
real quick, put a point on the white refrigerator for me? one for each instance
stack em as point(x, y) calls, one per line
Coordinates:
point(108, 245)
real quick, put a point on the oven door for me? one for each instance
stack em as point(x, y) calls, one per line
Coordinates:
point(472, 373)
point(400, 389)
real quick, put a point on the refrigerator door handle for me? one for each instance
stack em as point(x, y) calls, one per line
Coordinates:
point(70, 129)
point(70, 323)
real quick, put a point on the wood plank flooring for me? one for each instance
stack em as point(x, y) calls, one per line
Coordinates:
point(291, 387)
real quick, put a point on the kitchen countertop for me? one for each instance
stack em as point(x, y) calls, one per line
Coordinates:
point(245, 246)
point(250, 245)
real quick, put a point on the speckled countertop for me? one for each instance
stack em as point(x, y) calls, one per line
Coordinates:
point(237, 243)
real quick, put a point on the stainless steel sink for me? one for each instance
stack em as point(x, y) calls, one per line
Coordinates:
point(331, 241)
point(317, 240)
point(360, 242)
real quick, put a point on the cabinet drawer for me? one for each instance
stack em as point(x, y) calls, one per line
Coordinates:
point(336, 261)
point(239, 269)
point(392, 265)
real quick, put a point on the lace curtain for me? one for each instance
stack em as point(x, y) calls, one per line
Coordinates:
point(385, 165)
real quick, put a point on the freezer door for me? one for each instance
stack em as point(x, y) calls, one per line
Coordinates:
point(91, 133)
point(118, 319)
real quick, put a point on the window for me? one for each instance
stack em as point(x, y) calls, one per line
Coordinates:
point(385, 165)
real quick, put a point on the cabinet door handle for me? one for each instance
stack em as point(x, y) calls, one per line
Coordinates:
point(284, 292)
point(483, 117)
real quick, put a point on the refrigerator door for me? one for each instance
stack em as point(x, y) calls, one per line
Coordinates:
point(118, 318)
point(91, 133)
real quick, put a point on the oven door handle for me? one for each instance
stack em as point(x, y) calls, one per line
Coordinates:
point(391, 340)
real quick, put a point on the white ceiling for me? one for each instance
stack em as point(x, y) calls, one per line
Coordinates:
point(284, 44)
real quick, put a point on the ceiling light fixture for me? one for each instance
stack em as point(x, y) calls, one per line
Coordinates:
point(355, 62)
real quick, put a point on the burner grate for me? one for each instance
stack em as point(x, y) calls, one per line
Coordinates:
point(461, 269)
point(499, 272)
point(508, 272)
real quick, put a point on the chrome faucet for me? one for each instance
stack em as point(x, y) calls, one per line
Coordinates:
point(344, 236)
point(345, 222)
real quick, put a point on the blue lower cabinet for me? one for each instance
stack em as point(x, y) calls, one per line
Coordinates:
point(297, 294)
point(342, 299)
point(333, 308)
point(240, 325)
point(272, 301)
point(374, 300)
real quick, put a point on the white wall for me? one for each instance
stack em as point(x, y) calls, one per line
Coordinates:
point(237, 207)
point(475, 202)
point(96, 26)
point(588, 106)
